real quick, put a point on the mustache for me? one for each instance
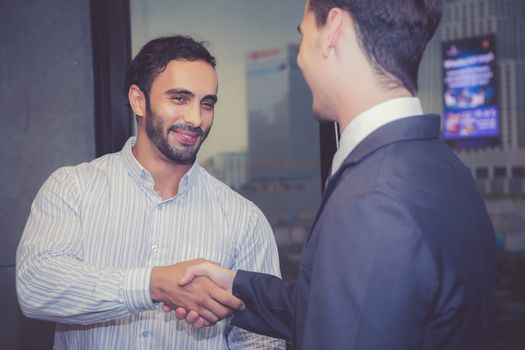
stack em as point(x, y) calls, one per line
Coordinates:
point(186, 127)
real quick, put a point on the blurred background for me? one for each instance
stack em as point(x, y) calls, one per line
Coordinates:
point(62, 64)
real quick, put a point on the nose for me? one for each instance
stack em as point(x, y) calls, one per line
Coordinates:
point(193, 115)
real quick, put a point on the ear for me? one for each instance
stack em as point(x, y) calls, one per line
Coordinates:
point(332, 30)
point(137, 100)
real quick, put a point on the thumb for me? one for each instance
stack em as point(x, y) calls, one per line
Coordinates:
point(191, 273)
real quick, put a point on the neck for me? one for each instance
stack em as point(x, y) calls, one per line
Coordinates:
point(361, 98)
point(166, 173)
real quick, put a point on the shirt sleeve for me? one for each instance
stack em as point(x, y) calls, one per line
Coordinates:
point(52, 280)
point(257, 251)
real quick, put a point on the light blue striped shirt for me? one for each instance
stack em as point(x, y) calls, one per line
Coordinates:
point(96, 230)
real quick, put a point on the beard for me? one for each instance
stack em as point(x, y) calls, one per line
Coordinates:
point(180, 154)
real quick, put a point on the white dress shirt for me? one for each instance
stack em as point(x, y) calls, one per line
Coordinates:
point(96, 230)
point(372, 119)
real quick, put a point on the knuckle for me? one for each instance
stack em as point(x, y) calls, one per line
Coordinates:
point(200, 300)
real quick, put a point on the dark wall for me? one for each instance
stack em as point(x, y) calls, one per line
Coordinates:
point(47, 121)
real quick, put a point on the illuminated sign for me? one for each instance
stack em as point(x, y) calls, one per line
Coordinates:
point(264, 54)
point(469, 90)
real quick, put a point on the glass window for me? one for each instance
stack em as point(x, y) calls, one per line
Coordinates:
point(482, 173)
point(500, 172)
point(264, 142)
point(518, 172)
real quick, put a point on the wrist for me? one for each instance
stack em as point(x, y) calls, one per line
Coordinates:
point(155, 284)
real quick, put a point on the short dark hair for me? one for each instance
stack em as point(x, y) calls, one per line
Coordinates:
point(153, 58)
point(392, 33)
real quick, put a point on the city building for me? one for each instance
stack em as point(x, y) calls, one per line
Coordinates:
point(283, 136)
point(283, 154)
point(499, 169)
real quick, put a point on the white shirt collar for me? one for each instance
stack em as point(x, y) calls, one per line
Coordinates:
point(372, 119)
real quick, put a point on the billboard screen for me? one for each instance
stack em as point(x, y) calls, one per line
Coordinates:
point(469, 90)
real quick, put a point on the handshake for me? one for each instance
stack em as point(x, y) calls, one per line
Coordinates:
point(198, 290)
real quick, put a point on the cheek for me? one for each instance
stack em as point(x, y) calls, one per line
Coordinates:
point(207, 121)
point(303, 62)
point(300, 57)
point(306, 75)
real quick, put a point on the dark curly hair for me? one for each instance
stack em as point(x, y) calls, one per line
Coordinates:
point(155, 56)
point(393, 33)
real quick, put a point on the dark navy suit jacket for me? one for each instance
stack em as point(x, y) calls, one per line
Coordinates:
point(401, 256)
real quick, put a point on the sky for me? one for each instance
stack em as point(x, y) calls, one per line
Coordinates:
point(232, 28)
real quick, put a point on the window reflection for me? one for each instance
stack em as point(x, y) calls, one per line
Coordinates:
point(264, 142)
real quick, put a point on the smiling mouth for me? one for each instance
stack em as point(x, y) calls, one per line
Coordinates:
point(186, 137)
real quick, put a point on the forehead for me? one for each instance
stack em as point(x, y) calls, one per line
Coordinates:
point(308, 13)
point(308, 6)
point(196, 76)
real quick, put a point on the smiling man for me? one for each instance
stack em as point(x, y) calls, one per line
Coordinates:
point(103, 246)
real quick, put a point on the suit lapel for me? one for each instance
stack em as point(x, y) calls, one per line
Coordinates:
point(411, 128)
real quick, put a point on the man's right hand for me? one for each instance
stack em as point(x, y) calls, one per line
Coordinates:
point(203, 296)
point(218, 274)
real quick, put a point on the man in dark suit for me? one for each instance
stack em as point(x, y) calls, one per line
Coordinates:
point(402, 253)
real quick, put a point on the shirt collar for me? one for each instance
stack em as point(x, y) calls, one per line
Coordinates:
point(372, 119)
point(141, 175)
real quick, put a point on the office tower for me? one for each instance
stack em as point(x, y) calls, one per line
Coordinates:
point(283, 152)
point(283, 136)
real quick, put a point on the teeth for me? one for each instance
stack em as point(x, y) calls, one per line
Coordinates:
point(187, 137)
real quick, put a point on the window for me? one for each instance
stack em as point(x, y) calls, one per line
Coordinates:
point(261, 92)
point(482, 173)
point(518, 172)
point(500, 172)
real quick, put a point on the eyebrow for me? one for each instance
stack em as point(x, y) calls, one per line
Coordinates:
point(180, 92)
point(190, 93)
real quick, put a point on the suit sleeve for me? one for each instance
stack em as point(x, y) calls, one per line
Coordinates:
point(270, 304)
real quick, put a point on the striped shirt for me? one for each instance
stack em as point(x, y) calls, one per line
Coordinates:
point(94, 234)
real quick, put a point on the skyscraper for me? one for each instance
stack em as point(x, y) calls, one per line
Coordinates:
point(283, 137)
point(283, 152)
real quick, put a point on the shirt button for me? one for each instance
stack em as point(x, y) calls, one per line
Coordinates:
point(154, 248)
point(145, 334)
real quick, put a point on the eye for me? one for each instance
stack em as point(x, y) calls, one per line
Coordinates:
point(179, 99)
point(209, 106)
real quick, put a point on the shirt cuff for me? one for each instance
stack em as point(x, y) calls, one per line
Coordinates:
point(137, 290)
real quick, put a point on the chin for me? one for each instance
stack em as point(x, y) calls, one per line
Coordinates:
point(319, 117)
point(324, 109)
point(320, 114)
